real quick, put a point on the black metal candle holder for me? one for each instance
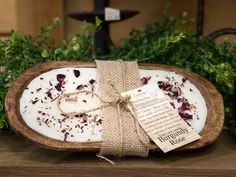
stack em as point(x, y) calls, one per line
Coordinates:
point(102, 37)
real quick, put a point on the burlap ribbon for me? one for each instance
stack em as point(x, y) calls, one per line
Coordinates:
point(121, 133)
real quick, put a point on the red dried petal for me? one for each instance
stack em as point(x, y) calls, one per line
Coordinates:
point(76, 73)
point(61, 78)
point(58, 87)
point(185, 116)
point(92, 81)
point(34, 101)
point(184, 79)
point(79, 87)
point(145, 80)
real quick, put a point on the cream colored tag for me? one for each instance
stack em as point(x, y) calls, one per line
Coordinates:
point(159, 119)
point(112, 14)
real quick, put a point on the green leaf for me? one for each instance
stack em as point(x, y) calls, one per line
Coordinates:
point(58, 50)
point(229, 85)
point(98, 22)
point(205, 67)
point(76, 47)
point(44, 53)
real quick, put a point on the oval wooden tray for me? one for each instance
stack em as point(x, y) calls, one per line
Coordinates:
point(211, 130)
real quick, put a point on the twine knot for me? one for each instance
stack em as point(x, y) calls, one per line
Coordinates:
point(122, 102)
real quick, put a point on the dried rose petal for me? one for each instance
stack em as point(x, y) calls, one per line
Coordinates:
point(172, 104)
point(76, 73)
point(65, 136)
point(34, 101)
point(173, 91)
point(185, 116)
point(184, 79)
point(38, 89)
point(164, 85)
point(184, 107)
point(49, 94)
point(61, 78)
point(145, 80)
point(99, 121)
point(50, 83)
point(58, 87)
point(79, 87)
point(84, 119)
point(92, 81)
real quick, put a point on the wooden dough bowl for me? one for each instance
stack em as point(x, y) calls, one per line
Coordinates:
point(211, 130)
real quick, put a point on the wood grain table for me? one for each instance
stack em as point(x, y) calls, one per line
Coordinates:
point(21, 158)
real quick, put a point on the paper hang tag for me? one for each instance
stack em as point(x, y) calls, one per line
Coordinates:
point(159, 119)
point(112, 14)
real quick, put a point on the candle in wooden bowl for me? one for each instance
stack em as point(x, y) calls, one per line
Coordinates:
point(32, 109)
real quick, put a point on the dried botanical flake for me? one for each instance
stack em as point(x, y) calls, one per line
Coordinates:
point(172, 104)
point(65, 136)
point(49, 93)
point(79, 87)
point(185, 116)
point(84, 120)
point(168, 78)
point(61, 78)
point(58, 87)
point(184, 79)
point(76, 73)
point(145, 80)
point(64, 119)
point(64, 115)
point(50, 83)
point(38, 89)
point(173, 91)
point(185, 107)
point(63, 131)
point(34, 101)
point(99, 121)
point(92, 81)
point(164, 85)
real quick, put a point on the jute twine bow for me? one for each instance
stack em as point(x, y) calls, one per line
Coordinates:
point(119, 101)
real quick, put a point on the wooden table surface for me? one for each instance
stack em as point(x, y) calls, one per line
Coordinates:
point(21, 158)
